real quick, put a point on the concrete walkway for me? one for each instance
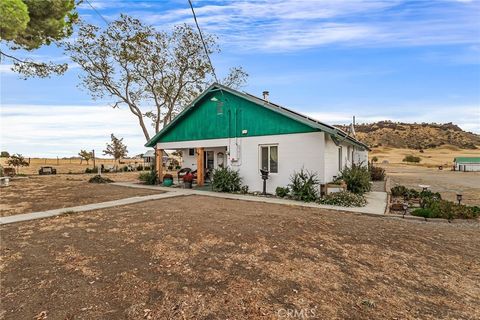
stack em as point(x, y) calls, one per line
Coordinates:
point(87, 207)
point(376, 201)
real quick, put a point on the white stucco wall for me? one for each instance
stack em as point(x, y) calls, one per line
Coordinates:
point(295, 151)
point(467, 167)
point(313, 151)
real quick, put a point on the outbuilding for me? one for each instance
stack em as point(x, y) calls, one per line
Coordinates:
point(466, 164)
point(224, 127)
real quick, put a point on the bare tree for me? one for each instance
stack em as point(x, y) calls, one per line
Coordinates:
point(136, 65)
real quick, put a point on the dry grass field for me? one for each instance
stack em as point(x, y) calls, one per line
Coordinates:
point(38, 193)
point(209, 258)
point(430, 157)
point(68, 165)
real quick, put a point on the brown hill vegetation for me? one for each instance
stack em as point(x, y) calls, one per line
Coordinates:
point(415, 135)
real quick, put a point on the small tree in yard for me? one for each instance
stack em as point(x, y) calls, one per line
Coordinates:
point(116, 149)
point(5, 154)
point(17, 161)
point(85, 155)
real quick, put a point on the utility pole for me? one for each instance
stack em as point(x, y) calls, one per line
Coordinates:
point(93, 156)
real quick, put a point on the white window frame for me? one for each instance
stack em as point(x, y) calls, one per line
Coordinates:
point(268, 156)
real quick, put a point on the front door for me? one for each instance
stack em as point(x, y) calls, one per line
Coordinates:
point(209, 163)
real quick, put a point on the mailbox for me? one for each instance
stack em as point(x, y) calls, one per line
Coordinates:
point(264, 177)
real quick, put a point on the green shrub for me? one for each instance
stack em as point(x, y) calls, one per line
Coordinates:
point(450, 210)
point(398, 191)
point(411, 158)
point(344, 199)
point(426, 213)
point(139, 167)
point(100, 179)
point(427, 194)
point(357, 178)
point(304, 186)
point(91, 170)
point(402, 191)
point(282, 192)
point(244, 189)
point(377, 173)
point(149, 177)
point(226, 180)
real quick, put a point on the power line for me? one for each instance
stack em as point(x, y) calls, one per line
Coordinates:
point(96, 11)
point(203, 41)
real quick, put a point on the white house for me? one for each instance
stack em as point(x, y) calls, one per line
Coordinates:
point(466, 164)
point(224, 127)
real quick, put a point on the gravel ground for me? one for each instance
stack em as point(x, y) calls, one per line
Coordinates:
point(208, 258)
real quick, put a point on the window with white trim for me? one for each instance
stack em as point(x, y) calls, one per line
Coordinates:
point(269, 158)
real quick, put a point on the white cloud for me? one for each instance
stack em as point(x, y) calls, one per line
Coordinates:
point(42, 130)
point(287, 25)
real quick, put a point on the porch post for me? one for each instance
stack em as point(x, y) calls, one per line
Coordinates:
point(200, 167)
point(159, 163)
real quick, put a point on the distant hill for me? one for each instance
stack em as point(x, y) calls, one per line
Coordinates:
point(414, 135)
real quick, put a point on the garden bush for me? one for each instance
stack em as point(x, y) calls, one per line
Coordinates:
point(438, 208)
point(398, 191)
point(420, 212)
point(357, 178)
point(304, 186)
point(411, 158)
point(344, 199)
point(139, 167)
point(91, 170)
point(226, 180)
point(149, 177)
point(377, 173)
point(100, 179)
point(282, 192)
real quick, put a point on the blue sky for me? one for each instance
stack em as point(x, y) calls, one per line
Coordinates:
point(399, 60)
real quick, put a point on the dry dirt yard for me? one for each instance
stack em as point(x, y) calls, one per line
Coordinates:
point(447, 182)
point(38, 193)
point(208, 258)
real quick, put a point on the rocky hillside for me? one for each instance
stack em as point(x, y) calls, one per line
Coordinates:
point(415, 135)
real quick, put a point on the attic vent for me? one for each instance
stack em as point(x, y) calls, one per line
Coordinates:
point(219, 107)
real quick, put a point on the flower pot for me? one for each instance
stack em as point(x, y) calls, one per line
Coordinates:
point(188, 184)
point(167, 182)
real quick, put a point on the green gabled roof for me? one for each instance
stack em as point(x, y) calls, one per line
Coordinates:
point(467, 159)
point(336, 133)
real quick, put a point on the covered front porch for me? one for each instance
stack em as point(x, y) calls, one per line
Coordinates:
point(203, 159)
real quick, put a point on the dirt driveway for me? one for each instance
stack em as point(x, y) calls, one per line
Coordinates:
point(208, 258)
point(447, 182)
point(38, 193)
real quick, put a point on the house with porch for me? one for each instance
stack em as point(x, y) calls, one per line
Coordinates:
point(225, 127)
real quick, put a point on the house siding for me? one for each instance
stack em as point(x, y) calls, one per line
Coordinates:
point(237, 116)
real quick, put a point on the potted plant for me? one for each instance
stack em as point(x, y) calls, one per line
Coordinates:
point(187, 180)
point(167, 180)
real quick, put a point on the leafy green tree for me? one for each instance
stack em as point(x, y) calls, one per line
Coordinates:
point(4, 154)
point(117, 149)
point(17, 161)
point(134, 64)
point(31, 24)
point(85, 155)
